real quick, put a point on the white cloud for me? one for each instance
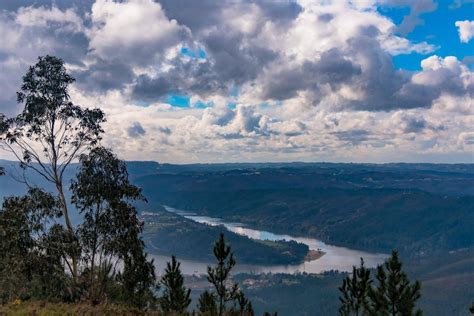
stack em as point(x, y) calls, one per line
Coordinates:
point(316, 83)
point(256, 133)
point(42, 17)
point(466, 30)
point(135, 30)
point(447, 74)
point(466, 139)
point(396, 45)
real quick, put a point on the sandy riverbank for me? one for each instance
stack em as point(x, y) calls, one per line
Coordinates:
point(314, 255)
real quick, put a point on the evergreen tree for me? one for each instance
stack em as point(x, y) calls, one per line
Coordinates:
point(111, 228)
point(138, 280)
point(207, 304)
point(219, 275)
point(244, 305)
point(394, 294)
point(176, 298)
point(471, 309)
point(28, 269)
point(51, 132)
point(354, 291)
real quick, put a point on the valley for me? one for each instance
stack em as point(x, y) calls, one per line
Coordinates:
point(426, 211)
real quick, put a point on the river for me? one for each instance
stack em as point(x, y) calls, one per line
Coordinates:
point(335, 258)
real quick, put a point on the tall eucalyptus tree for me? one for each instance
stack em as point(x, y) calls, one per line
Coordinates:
point(51, 131)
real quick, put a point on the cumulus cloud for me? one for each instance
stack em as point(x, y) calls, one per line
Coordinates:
point(466, 138)
point(277, 56)
point(136, 130)
point(135, 30)
point(412, 123)
point(445, 75)
point(352, 136)
point(299, 80)
point(466, 30)
point(43, 17)
point(29, 33)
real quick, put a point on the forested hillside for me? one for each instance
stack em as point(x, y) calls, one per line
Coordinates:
point(363, 209)
point(170, 234)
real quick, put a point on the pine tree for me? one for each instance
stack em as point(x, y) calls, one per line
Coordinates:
point(394, 295)
point(354, 291)
point(176, 298)
point(249, 309)
point(207, 304)
point(218, 275)
point(111, 229)
point(244, 305)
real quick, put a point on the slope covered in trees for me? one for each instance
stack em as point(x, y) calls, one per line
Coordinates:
point(341, 211)
point(170, 234)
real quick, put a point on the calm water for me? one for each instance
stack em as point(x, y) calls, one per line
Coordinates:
point(336, 258)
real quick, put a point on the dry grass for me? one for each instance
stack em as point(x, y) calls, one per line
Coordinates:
point(59, 309)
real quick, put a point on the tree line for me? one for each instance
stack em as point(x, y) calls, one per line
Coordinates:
point(393, 295)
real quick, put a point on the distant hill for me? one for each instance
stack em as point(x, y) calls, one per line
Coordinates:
point(418, 209)
point(170, 234)
point(424, 210)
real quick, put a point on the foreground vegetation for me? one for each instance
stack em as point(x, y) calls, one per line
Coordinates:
point(43, 256)
point(44, 308)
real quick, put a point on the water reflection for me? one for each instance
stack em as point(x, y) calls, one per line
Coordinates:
point(336, 258)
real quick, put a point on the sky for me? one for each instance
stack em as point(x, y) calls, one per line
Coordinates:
point(253, 81)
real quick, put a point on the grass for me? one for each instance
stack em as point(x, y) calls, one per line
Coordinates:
point(18, 308)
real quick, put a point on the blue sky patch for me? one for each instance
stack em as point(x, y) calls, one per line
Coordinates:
point(177, 100)
point(438, 29)
point(202, 105)
point(194, 54)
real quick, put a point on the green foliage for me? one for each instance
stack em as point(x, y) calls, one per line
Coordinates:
point(244, 305)
point(111, 229)
point(386, 202)
point(29, 267)
point(166, 233)
point(39, 258)
point(292, 294)
point(394, 294)
point(354, 291)
point(218, 276)
point(138, 280)
point(207, 304)
point(51, 131)
point(176, 297)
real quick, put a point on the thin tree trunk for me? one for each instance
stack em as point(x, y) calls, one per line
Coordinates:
point(94, 250)
point(221, 307)
point(59, 187)
point(69, 226)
